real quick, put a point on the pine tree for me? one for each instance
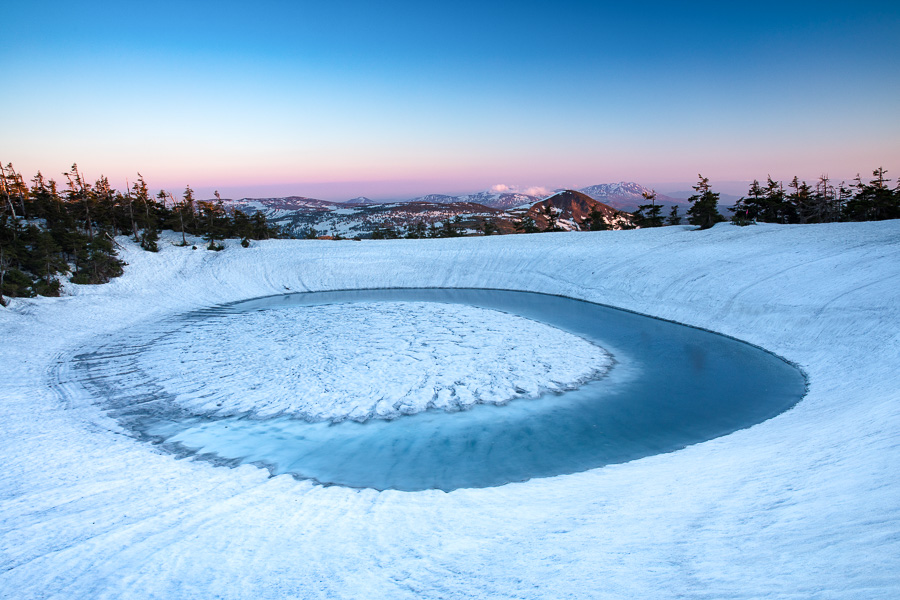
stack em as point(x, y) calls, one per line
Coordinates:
point(748, 208)
point(4, 185)
point(416, 230)
point(526, 225)
point(488, 226)
point(704, 205)
point(774, 210)
point(552, 218)
point(595, 221)
point(79, 192)
point(874, 201)
point(14, 189)
point(674, 218)
point(648, 215)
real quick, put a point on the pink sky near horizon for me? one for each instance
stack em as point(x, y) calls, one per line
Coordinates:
point(380, 180)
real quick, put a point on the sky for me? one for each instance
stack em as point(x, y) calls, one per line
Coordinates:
point(396, 99)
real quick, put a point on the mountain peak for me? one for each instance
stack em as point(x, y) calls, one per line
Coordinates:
point(626, 195)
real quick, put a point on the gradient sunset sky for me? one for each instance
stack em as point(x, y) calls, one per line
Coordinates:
point(335, 99)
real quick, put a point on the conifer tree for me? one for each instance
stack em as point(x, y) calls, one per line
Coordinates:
point(552, 218)
point(821, 204)
point(748, 208)
point(488, 226)
point(674, 218)
point(774, 211)
point(595, 220)
point(79, 193)
point(526, 225)
point(648, 215)
point(873, 201)
point(704, 205)
point(14, 189)
point(416, 230)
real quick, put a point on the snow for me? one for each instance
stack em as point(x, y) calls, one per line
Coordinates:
point(804, 505)
point(359, 361)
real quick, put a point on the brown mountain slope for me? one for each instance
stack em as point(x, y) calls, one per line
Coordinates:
point(572, 208)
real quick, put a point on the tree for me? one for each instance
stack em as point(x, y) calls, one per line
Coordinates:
point(4, 184)
point(452, 227)
point(774, 210)
point(14, 188)
point(704, 210)
point(388, 232)
point(552, 218)
point(648, 215)
point(417, 230)
point(874, 201)
point(595, 221)
point(798, 201)
point(488, 226)
point(79, 191)
point(526, 225)
point(212, 217)
point(674, 218)
point(183, 211)
point(747, 209)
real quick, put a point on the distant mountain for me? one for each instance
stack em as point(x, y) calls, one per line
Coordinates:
point(301, 216)
point(627, 195)
point(289, 203)
point(488, 198)
point(572, 207)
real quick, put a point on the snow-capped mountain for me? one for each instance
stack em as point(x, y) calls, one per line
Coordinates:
point(627, 195)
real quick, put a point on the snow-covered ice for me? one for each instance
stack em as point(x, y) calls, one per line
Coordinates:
point(805, 505)
point(358, 361)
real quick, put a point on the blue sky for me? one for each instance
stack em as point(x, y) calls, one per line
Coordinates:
point(395, 99)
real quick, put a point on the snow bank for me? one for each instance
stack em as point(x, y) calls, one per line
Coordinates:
point(804, 505)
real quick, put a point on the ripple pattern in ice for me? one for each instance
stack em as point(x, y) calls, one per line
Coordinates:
point(363, 360)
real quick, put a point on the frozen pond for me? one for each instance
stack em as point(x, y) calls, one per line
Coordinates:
point(619, 386)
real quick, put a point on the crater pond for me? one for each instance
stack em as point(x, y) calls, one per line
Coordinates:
point(670, 386)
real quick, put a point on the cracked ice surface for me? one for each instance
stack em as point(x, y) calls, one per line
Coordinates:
point(405, 357)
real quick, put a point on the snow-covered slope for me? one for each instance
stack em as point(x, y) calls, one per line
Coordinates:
point(627, 195)
point(489, 198)
point(805, 505)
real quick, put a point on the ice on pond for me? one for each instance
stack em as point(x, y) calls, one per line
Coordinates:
point(335, 355)
point(371, 359)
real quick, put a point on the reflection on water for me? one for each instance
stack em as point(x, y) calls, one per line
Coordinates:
point(672, 386)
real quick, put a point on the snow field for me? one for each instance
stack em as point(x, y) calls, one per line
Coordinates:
point(805, 505)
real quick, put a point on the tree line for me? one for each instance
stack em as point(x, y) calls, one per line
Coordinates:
point(796, 203)
point(47, 233)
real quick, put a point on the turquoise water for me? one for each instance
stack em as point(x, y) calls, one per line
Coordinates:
point(671, 386)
